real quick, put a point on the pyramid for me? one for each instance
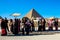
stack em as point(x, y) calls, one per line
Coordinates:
point(33, 14)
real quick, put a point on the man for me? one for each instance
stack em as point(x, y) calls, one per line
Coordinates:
point(40, 25)
point(56, 24)
point(43, 24)
point(32, 25)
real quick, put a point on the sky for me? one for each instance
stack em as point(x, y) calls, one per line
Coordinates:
point(46, 8)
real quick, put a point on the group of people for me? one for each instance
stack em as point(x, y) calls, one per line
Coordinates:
point(14, 26)
point(53, 23)
point(41, 25)
point(10, 26)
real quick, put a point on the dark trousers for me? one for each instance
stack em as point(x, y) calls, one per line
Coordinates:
point(43, 28)
point(15, 30)
point(50, 28)
point(56, 27)
point(33, 29)
point(27, 31)
point(40, 28)
point(23, 31)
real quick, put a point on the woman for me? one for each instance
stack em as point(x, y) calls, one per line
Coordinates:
point(19, 21)
point(3, 28)
point(27, 27)
point(6, 24)
point(15, 27)
point(10, 25)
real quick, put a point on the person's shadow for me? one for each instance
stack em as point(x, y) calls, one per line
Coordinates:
point(36, 33)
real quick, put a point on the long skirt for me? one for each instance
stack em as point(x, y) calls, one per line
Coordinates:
point(15, 30)
point(3, 32)
point(39, 28)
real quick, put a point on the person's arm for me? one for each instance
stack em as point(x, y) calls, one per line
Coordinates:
point(7, 27)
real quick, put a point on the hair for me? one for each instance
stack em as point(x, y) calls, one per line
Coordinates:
point(11, 20)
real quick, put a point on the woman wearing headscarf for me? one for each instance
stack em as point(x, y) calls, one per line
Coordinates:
point(3, 28)
point(50, 24)
point(10, 25)
point(27, 27)
point(15, 27)
point(19, 21)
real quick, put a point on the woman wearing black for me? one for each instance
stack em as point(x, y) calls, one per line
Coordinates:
point(15, 27)
point(19, 21)
point(3, 28)
point(6, 24)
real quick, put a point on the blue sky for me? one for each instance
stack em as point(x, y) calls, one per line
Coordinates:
point(46, 8)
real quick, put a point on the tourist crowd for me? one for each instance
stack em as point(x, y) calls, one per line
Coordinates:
point(25, 25)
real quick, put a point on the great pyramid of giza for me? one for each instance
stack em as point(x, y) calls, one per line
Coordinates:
point(33, 14)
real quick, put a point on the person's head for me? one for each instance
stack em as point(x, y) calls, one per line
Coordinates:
point(28, 20)
point(19, 19)
point(42, 20)
point(51, 19)
point(56, 19)
point(5, 18)
point(15, 19)
point(2, 20)
point(11, 20)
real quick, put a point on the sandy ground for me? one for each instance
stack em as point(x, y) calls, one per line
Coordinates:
point(52, 35)
point(35, 37)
